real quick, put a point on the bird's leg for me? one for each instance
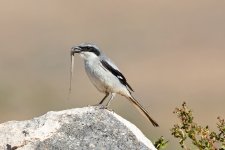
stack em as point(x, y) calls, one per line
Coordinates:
point(112, 96)
point(100, 103)
point(106, 95)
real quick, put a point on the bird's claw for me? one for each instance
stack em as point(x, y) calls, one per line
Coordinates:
point(106, 107)
point(101, 106)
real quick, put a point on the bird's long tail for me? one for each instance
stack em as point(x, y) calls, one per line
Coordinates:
point(142, 110)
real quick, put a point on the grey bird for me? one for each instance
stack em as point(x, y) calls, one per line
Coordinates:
point(106, 76)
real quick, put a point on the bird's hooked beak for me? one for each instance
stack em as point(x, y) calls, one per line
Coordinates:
point(75, 49)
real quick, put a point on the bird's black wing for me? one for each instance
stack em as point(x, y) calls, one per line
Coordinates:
point(116, 73)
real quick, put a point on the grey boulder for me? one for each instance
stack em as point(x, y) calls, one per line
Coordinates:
point(79, 128)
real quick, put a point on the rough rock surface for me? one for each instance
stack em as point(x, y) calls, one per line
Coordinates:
point(80, 128)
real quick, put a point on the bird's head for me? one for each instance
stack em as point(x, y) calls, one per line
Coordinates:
point(86, 50)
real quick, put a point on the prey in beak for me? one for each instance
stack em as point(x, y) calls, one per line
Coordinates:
point(75, 49)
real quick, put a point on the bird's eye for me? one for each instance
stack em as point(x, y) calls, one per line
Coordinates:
point(88, 48)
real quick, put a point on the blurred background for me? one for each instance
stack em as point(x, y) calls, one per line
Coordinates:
point(169, 51)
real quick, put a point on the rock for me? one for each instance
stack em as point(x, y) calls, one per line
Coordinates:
point(80, 128)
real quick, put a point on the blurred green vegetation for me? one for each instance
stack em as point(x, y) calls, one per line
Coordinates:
point(201, 137)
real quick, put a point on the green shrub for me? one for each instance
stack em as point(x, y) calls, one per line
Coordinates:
point(187, 130)
point(202, 137)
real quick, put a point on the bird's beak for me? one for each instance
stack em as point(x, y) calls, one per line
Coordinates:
point(75, 49)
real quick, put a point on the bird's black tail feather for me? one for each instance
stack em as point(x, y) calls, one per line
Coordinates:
point(143, 111)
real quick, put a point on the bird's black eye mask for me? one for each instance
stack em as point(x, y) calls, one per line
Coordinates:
point(90, 49)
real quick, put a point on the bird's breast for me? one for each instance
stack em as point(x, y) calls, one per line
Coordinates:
point(102, 79)
point(96, 74)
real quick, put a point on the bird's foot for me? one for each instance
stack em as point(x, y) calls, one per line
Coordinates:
point(101, 106)
point(111, 110)
point(106, 107)
point(96, 105)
